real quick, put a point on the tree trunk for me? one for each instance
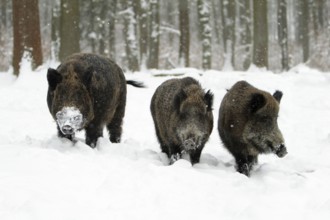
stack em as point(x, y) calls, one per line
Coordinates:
point(5, 34)
point(26, 33)
point(102, 33)
point(184, 33)
point(91, 25)
point(260, 33)
point(283, 33)
point(205, 32)
point(69, 31)
point(143, 31)
point(228, 25)
point(131, 36)
point(3, 14)
point(154, 35)
point(55, 29)
point(228, 21)
point(95, 28)
point(112, 29)
point(217, 21)
point(302, 28)
point(243, 42)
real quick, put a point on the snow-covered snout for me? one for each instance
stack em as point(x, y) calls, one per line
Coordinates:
point(194, 122)
point(192, 136)
point(69, 120)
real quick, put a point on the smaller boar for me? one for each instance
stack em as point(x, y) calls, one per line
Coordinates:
point(248, 125)
point(182, 114)
point(88, 91)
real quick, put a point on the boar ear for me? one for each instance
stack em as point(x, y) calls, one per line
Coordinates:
point(178, 99)
point(278, 95)
point(257, 102)
point(209, 100)
point(53, 78)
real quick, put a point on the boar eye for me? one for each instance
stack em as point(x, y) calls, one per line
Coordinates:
point(77, 118)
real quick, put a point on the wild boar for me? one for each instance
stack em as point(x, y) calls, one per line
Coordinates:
point(248, 125)
point(183, 118)
point(88, 91)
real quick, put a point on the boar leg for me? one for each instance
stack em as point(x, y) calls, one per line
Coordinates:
point(163, 146)
point(164, 149)
point(242, 164)
point(92, 134)
point(196, 155)
point(252, 160)
point(115, 126)
point(174, 153)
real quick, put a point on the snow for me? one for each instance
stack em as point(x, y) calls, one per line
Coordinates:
point(44, 177)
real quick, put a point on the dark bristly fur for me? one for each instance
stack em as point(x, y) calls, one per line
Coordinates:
point(182, 111)
point(97, 87)
point(248, 124)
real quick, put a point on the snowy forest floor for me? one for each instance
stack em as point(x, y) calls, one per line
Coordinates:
point(44, 177)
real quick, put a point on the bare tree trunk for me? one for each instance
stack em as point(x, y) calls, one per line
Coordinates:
point(260, 33)
point(283, 33)
point(154, 35)
point(55, 29)
point(112, 29)
point(26, 33)
point(131, 36)
point(169, 33)
point(102, 33)
point(243, 41)
point(70, 31)
point(92, 28)
point(228, 25)
point(184, 33)
point(302, 28)
point(204, 15)
point(3, 14)
point(143, 31)
point(216, 21)
point(4, 35)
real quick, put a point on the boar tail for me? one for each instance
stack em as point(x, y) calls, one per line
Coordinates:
point(135, 83)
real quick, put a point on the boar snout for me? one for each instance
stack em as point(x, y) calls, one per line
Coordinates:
point(281, 151)
point(67, 129)
point(189, 145)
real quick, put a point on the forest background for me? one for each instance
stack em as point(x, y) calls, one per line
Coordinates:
point(167, 34)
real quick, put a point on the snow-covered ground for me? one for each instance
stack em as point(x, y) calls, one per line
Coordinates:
point(43, 177)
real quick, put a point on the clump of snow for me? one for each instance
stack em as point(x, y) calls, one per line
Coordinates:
point(45, 177)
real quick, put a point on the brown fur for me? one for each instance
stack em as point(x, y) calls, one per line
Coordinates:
point(183, 118)
point(248, 124)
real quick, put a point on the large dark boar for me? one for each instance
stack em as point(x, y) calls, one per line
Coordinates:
point(248, 124)
point(88, 92)
point(182, 113)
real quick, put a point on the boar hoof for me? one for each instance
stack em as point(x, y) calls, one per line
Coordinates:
point(115, 139)
point(174, 158)
point(91, 143)
point(244, 169)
